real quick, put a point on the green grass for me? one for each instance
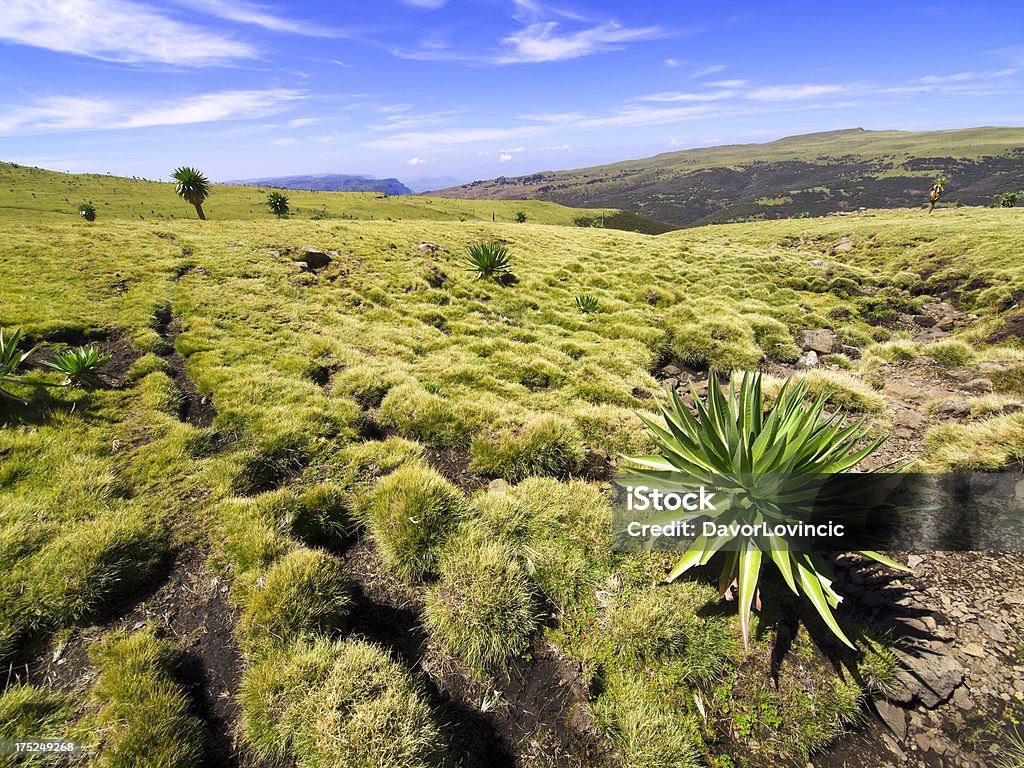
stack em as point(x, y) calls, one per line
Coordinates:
point(142, 716)
point(483, 610)
point(338, 703)
point(411, 513)
point(334, 390)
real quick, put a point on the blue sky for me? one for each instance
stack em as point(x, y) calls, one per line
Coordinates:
point(472, 89)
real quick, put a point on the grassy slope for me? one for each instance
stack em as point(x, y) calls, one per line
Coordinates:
point(410, 343)
point(34, 194)
point(819, 172)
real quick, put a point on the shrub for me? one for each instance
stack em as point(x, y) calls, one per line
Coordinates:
point(488, 261)
point(482, 611)
point(10, 361)
point(587, 303)
point(1008, 199)
point(548, 445)
point(144, 715)
point(729, 438)
point(327, 703)
point(411, 513)
point(277, 202)
point(951, 352)
point(304, 593)
point(80, 365)
point(87, 211)
point(520, 217)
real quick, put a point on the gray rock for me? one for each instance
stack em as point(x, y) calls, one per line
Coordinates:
point(925, 321)
point(927, 675)
point(851, 352)
point(807, 361)
point(978, 385)
point(821, 341)
point(956, 409)
point(894, 718)
point(314, 259)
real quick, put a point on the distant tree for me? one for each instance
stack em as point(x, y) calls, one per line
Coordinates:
point(520, 217)
point(277, 202)
point(193, 187)
point(87, 211)
point(936, 192)
point(1008, 200)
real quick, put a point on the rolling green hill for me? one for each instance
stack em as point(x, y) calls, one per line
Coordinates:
point(812, 174)
point(34, 194)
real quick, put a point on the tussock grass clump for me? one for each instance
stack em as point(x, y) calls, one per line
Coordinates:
point(159, 393)
point(723, 343)
point(411, 513)
point(30, 710)
point(648, 734)
point(774, 338)
point(320, 514)
point(986, 446)
point(331, 703)
point(547, 445)
point(147, 364)
point(843, 389)
point(422, 415)
point(949, 352)
point(368, 382)
point(269, 462)
point(304, 593)
point(891, 352)
point(651, 626)
point(143, 715)
point(482, 611)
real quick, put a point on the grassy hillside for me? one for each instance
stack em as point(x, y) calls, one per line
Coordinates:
point(813, 174)
point(289, 479)
point(33, 194)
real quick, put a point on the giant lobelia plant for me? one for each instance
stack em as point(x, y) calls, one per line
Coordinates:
point(771, 463)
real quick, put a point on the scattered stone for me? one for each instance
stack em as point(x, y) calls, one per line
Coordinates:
point(894, 718)
point(851, 352)
point(962, 699)
point(914, 560)
point(821, 341)
point(821, 263)
point(978, 385)
point(313, 258)
point(925, 321)
point(844, 245)
point(497, 486)
point(807, 361)
point(301, 265)
point(671, 370)
point(928, 676)
point(956, 409)
point(431, 248)
point(975, 650)
point(905, 417)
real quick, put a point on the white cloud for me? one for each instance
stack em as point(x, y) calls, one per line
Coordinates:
point(672, 96)
point(729, 83)
point(115, 30)
point(247, 13)
point(672, 63)
point(420, 161)
point(504, 158)
point(794, 92)
point(416, 140)
point(302, 122)
point(539, 42)
point(63, 114)
point(709, 70)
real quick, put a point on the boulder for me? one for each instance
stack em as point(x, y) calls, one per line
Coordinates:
point(314, 259)
point(927, 676)
point(925, 321)
point(807, 361)
point(956, 409)
point(821, 341)
point(978, 385)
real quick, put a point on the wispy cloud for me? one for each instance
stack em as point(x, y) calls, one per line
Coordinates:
point(63, 114)
point(795, 92)
point(248, 13)
point(431, 5)
point(542, 42)
point(673, 96)
point(711, 69)
point(416, 140)
point(420, 160)
point(115, 30)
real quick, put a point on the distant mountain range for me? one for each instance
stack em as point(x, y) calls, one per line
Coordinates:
point(813, 174)
point(329, 182)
